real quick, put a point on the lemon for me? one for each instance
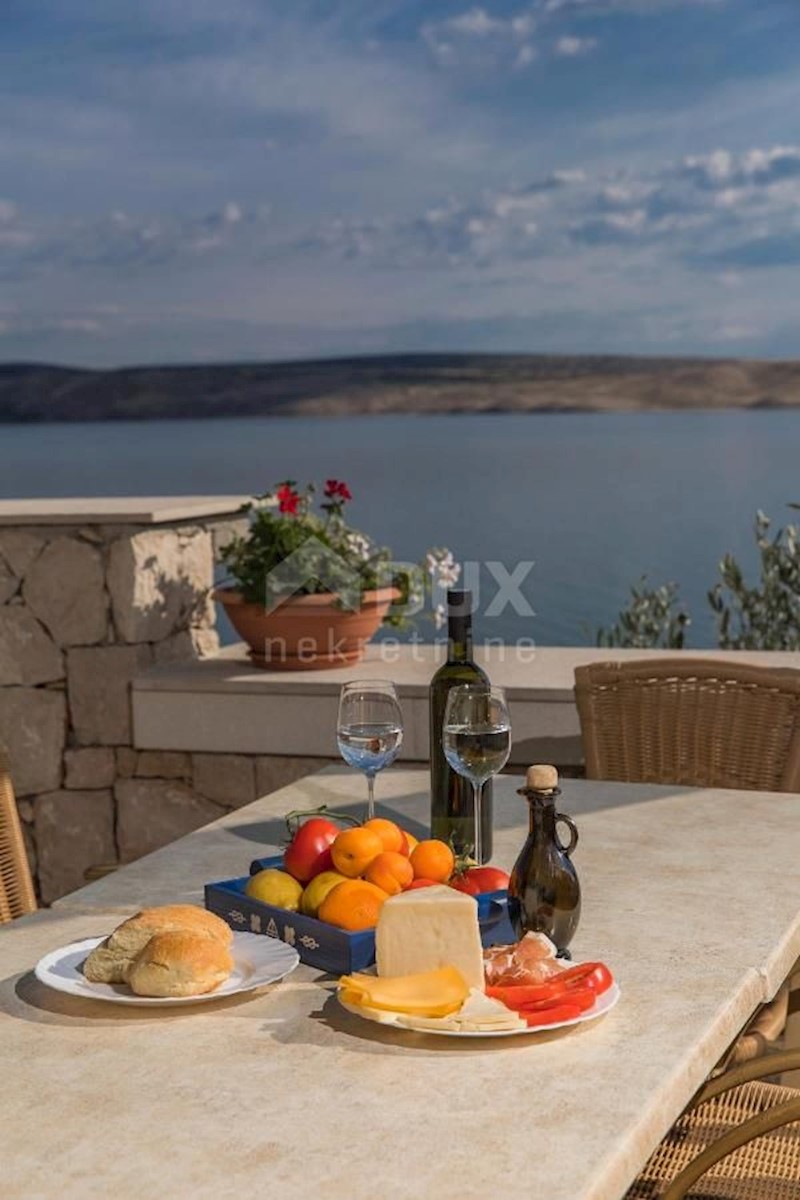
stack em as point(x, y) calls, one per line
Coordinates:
point(275, 887)
point(316, 891)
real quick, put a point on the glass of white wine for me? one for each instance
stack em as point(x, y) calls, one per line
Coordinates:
point(476, 739)
point(370, 729)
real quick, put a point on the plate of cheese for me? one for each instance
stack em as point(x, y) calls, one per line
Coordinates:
point(479, 1016)
point(432, 975)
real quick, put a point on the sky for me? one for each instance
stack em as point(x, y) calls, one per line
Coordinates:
point(190, 180)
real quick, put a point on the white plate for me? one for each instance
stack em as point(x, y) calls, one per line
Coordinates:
point(257, 960)
point(601, 1006)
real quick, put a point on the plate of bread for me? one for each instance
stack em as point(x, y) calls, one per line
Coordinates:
point(175, 954)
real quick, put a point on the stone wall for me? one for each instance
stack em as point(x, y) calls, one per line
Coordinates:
point(82, 609)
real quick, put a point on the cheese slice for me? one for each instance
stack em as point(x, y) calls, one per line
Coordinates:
point(478, 1014)
point(429, 994)
point(429, 928)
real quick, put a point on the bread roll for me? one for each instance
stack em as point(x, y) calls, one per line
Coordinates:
point(112, 959)
point(180, 964)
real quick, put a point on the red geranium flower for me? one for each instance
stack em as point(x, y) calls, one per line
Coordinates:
point(334, 487)
point(288, 499)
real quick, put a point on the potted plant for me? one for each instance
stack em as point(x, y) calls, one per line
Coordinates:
point(309, 591)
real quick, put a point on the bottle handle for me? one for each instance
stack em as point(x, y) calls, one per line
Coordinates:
point(573, 833)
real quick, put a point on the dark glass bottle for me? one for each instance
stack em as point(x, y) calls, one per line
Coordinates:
point(544, 895)
point(451, 794)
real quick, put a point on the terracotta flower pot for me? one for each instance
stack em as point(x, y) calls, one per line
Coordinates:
point(306, 633)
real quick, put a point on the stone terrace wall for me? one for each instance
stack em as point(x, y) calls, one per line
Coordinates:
point(82, 609)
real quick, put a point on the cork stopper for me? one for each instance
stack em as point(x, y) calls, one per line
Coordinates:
point(541, 778)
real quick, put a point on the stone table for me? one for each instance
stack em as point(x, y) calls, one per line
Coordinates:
point(690, 895)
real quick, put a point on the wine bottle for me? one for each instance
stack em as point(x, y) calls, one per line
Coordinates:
point(452, 815)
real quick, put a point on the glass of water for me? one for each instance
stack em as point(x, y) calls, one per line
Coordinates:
point(369, 729)
point(476, 739)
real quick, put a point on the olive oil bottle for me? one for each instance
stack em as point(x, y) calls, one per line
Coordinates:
point(452, 814)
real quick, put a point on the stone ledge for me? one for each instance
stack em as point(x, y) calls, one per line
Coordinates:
point(224, 705)
point(118, 510)
point(547, 675)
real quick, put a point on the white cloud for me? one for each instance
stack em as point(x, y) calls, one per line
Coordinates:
point(574, 47)
point(700, 206)
point(737, 332)
point(525, 57)
point(232, 213)
point(754, 166)
point(476, 38)
point(475, 23)
point(606, 7)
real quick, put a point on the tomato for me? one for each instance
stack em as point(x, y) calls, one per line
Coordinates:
point(595, 976)
point(462, 883)
point(309, 852)
point(476, 880)
point(418, 883)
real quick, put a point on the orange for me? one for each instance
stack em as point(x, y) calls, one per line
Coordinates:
point(390, 871)
point(391, 835)
point(432, 859)
point(353, 905)
point(354, 849)
point(411, 841)
point(316, 891)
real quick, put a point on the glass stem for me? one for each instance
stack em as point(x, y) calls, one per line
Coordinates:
point(477, 789)
point(370, 796)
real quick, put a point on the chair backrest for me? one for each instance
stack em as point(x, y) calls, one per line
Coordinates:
point(17, 896)
point(698, 722)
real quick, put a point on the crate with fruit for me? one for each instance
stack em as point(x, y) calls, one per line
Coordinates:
point(324, 894)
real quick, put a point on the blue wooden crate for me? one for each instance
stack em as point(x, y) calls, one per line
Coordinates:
point(318, 944)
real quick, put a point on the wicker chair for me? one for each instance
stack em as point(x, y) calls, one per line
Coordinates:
point(738, 1140)
point(17, 896)
point(691, 721)
point(703, 723)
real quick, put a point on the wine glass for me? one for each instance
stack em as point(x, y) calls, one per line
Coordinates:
point(476, 739)
point(369, 729)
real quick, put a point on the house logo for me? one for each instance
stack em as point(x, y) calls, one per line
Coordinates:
point(314, 566)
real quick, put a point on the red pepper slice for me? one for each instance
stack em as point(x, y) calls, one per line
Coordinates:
point(552, 1016)
point(514, 994)
point(583, 998)
point(594, 975)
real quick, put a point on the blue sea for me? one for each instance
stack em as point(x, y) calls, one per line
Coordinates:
point(593, 501)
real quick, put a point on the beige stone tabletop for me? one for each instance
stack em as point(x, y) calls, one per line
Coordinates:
point(690, 896)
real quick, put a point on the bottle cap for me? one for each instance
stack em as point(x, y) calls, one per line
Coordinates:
point(541, 778)
point(459, 602)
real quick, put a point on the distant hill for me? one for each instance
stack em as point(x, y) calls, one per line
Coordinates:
point(410, 383)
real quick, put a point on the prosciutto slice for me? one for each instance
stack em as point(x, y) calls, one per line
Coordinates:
point(532, 960)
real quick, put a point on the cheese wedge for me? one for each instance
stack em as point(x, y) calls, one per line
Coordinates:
point(429, 928)
point(428, 994)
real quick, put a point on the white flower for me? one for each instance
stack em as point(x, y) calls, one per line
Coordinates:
point(448, 575)
point(442, 567)
point(359, 545)
point(439, 616)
